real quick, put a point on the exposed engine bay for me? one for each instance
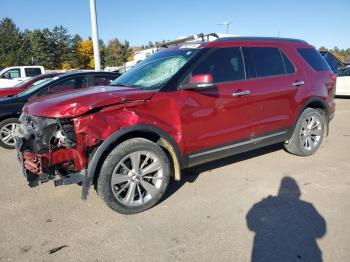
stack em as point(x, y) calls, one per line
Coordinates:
point(46, 133)
point(47, 148)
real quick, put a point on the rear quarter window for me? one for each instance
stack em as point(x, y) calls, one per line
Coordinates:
point(32, 71)
point(314, 59)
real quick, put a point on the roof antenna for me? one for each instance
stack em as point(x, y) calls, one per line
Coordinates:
point(227, 24)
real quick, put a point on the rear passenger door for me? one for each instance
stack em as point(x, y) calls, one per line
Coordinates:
point(276, 87)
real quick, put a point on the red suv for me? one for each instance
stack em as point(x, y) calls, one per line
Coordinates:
point(180, 107)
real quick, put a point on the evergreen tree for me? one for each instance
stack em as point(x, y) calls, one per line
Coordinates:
point(10, 43)
point(102, 47)
point(117, 53)
point(60, 43)
point(42, 48)
point(25, 53)
point(72, 60)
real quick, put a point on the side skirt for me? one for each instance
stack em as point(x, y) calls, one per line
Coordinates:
point(222, 151)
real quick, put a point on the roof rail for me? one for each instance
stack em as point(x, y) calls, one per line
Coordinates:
point(202, 37)
point(259, 38)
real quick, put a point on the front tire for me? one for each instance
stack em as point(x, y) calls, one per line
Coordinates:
point(308, 133)
point(7, 128)
point(134, 176)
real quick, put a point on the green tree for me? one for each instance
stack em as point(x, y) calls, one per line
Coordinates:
point(102, 48)
point(322, 48)
point(117, 53)
point(25, 53)
point(42, 48)
point(60, 41)
point(72, 60)
point(341, 54)
point(10, 43)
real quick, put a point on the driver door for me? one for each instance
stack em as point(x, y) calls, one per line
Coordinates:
point(215, 118)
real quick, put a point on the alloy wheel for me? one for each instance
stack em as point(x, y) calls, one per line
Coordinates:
point(311, 132)
point(137, 178)
point(7, 134)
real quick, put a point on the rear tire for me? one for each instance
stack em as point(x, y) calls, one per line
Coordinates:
point(308, 133)
point(134, 176)
point(7, 127)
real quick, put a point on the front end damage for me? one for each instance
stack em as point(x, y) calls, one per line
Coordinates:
point(49, 149)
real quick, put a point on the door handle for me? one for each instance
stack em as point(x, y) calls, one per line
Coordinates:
point(298, 83)
point(241, 93)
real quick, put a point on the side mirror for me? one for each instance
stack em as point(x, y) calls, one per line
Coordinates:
point(202, 81)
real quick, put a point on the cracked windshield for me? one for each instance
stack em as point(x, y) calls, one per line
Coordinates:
point(154, 71)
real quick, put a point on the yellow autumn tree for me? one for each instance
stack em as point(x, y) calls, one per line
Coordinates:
point(66, 65)
point(86, 54)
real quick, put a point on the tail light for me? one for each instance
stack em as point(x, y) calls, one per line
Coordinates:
point(334, 78)
point(331, 85)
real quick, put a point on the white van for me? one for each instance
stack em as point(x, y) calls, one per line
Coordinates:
point(11, 76)
point(343, 82)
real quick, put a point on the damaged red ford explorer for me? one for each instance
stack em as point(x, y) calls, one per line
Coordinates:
point(180, 107)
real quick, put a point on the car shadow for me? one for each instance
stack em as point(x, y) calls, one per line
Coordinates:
point(190, 175)
point(285, 227)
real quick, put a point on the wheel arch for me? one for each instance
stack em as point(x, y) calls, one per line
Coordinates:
point(154, 134)
point(4, 117)
point(317, 103)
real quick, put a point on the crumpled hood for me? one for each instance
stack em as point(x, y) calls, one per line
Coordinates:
point(75, 103)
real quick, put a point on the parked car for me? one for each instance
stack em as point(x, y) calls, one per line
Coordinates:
point(21, 86)
point(11, 107)
point(178, 108)
point(343, 82)
point(334, 63)
point(11, 76)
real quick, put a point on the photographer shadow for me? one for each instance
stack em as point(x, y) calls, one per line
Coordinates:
point(286, 228)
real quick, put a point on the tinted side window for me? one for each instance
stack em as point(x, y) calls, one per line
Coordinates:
point(344, 72)
point(313, 58)
point(68, 84)
point(102, 80)
point(98, 81)
point(110, 79)
point(331, 61)
point(12, 73)
point(287, 64)
point(224, 64)
point(32, 71)
point(263, 61)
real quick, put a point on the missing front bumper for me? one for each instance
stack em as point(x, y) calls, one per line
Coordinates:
point(39, 168)
point(33, 179)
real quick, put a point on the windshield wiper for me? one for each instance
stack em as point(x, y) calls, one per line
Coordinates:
point(124, 85)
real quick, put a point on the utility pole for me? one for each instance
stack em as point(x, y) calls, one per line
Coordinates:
point(227, 24)
point(95, 35)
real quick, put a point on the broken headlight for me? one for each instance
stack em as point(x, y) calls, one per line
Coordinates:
point(65, 134)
